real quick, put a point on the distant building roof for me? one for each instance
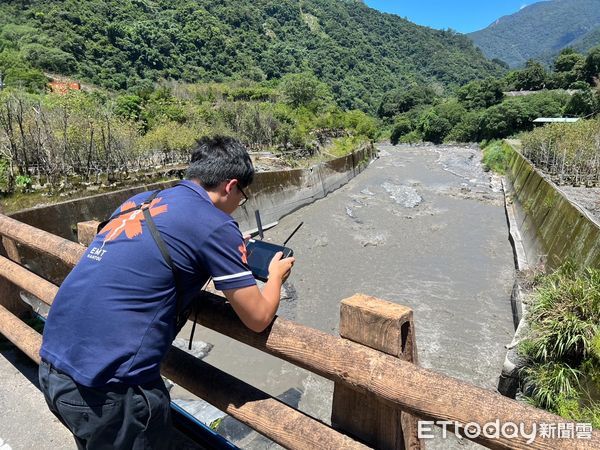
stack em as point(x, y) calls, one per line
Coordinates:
point(62, 87)
point(556, 119)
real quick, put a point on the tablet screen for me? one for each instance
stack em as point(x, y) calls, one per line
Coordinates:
point(260, 254)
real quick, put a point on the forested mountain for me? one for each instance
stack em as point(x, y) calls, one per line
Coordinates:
point(541, 30)
point(359, 52)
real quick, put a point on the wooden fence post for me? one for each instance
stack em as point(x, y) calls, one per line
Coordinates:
point(388, 328)
point(86, 231)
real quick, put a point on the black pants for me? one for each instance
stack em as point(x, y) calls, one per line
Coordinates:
point(115, 417)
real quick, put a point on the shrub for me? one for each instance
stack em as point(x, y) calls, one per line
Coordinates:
point(467, 130)
point(433, 127)
point(584, 103)
point(401, 100)
point(562, 346)
point(495, 156)
point(480, 94)
point(569, 153)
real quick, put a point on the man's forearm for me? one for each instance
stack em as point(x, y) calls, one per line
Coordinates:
point(272, 294)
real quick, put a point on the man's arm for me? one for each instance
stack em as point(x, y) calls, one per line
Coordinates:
point(256, 309)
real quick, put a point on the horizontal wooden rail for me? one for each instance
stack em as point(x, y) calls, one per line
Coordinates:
point(283, 424)
point(422, 392)
point(271, 417)
point(19, 333)
point(257, 409)
point(27, 280)
point(41, 240)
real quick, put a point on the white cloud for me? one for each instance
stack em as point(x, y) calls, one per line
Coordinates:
point(523, 6)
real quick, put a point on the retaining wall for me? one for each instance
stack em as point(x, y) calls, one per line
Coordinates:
point(553, 228)
point(275, 194)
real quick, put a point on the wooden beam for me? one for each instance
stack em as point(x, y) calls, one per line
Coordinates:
point(388, 328)
point(23, 336)
point(67, 251)
point(10, 247)
point(27, 280)
point(9, 293)
point(424, 393)
point(421, 392)
point(86, 231)
point(267, 415)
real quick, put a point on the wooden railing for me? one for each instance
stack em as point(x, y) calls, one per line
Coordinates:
point(379, 389)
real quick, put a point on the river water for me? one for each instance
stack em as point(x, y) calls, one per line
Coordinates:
point(424, 227)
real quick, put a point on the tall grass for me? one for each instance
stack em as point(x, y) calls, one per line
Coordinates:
point(563, 347)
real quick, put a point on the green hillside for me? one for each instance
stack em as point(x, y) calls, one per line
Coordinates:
point(541, 30)
point(359, 52)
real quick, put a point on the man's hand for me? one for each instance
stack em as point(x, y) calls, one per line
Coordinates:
point(256, 309)
point(281, 268)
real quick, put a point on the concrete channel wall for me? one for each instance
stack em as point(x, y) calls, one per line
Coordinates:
point(275, 194)
point(553, 228)
point(544, 227)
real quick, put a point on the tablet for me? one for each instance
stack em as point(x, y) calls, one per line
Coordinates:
point(260, 254)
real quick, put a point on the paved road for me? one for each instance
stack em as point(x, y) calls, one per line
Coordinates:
point(25, 420)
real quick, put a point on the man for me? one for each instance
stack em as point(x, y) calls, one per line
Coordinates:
point(114, 317)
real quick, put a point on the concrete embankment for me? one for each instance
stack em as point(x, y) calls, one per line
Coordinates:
point(554, 229)
point(546, 227)
point(275, 194)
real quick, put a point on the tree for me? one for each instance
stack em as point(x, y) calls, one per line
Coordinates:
point(567, 59)
point(129, 107)
point(433, 127)
point(401, 100)
point(467, 130)
point(592, 64)
point(480, 94)
point(18, 73)
point(50, 59)
point(402, 126)
point(583, 104)
point(568, 68)
point(532, 78)
point(305, 89)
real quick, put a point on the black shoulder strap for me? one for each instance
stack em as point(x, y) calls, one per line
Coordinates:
point(181, 316)
point(157, 237)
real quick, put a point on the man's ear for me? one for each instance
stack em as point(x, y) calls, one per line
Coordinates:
point(229, 185)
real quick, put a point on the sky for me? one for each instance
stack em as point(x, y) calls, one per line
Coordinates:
point(460, 15)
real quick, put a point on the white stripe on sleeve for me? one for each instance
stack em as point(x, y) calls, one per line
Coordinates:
point(229, 277)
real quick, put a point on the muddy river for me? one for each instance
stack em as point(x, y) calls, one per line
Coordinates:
point(424, 227)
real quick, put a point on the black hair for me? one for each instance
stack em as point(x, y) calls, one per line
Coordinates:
point(219, 158)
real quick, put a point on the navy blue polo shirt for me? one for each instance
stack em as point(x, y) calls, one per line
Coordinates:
point(113, 317)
